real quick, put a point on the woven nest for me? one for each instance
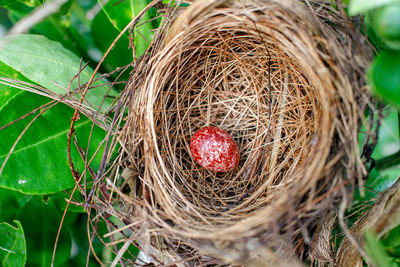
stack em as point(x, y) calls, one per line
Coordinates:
point(286, 82)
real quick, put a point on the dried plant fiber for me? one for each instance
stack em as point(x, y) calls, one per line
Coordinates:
point(285, 80)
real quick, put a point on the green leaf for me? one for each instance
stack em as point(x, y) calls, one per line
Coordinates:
point(392, 239)
point(382, 177)
point(58, 27)
point(12, 245)
point(59, 201)
point(104, 33)
point(385, 78)
point(386, 24)
point(376, 252)
point(32, 3)
point(360, 6)
point(120, 13)
point(53, 28)
point(41, 221)
point(40, 217)
point(81, 240)
point(65, 8)
point(169, 2)
point(26, 207)
point(388, 142)
point(47, 63)
point(11, 203)
point(369, 31)
point(39, 163)
point(143, 33)
point(15, 5)
point(5, 90)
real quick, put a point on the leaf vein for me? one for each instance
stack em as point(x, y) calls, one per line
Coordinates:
point(44, 140)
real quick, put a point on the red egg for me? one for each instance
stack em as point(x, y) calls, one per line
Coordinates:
point(214, 149)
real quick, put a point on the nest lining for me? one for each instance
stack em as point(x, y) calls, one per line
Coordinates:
point(240, 105)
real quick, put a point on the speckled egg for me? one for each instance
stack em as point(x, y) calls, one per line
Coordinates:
point(214, 149)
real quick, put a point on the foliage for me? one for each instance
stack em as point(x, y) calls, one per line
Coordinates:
point(385, 76)
point(360, 6)
point(12, 245)
point(376, 251)
point(383, 26)
point(35, 177)
point(383, 22)
point(48, 64)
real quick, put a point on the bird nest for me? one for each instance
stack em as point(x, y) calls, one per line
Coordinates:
point(284, 79)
